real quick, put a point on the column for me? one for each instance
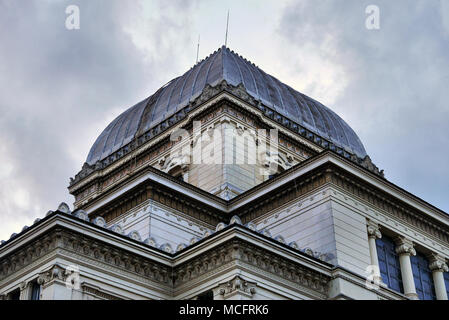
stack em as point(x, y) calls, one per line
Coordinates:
point(405, 249)
point(25, 293)
point(373, 234)
point(437, 265)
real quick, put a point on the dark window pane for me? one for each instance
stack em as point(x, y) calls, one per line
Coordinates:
point(35, 291)
point(15, 295)
point(208, 295)
point(389, 263)
point(423, 277)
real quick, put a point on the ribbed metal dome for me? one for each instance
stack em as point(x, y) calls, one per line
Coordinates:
point(229, 66)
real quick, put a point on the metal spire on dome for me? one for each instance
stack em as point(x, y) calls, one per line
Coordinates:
point(198, 49)
point(227, 27)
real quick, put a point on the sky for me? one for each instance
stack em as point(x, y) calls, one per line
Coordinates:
point(59, 87)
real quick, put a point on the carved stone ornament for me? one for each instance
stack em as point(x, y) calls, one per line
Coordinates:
point(151, 242)
point(235, 220)
point(116, 228)
point(220, 226)
point(63, 207)
point(438, 263)
point(135, 235)
point(181, 246)
point(294, 245)
point(23, 285)
point(265, 232)
point(207, 233)
point(81, 214)
point(374, 230)
point(99, 221)
point(194, 240)
point(280, 239)
point(55, 273)
point(237, 286)
point(405, 246)
point(251, 226)
point(166, 247)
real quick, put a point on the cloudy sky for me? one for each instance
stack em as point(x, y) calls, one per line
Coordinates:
point(59, 88)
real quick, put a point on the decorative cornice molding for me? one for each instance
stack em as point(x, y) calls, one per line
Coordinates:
point(386, 203)
point(91, 290)
point(56, 272)
point(60, 240)
point(77, 246)
point(243, 253)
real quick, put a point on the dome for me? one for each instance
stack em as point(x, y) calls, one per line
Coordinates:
point(225, 65)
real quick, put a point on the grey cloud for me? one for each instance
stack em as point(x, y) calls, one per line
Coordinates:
point(396, 93)
point(59, 88)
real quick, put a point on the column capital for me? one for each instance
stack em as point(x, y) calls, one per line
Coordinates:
point(373, 230)
point(23, 285)
point(404, 246)
point(437, 263)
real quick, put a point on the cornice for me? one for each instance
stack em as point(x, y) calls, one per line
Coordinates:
point(244, 253)
point(104, 253)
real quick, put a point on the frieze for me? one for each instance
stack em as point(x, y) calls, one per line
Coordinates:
point(240, 251)
point(330, 174)
point(163, 196)
point(98, 293)
point(388, 204)
point(85, 247)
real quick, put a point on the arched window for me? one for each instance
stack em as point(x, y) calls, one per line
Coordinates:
point(423, 277)
point(390, 269)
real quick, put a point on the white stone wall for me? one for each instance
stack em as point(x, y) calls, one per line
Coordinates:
point(164, 224)
point(308, 221)
point(351, 239)
point(324, 224)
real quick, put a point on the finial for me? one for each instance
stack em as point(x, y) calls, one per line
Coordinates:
point(227, 27)
point(198, 48)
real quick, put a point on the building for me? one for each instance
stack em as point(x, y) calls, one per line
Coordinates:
point(228, 184)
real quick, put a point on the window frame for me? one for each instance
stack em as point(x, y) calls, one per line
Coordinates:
point(389, 266)
point(420, 269)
